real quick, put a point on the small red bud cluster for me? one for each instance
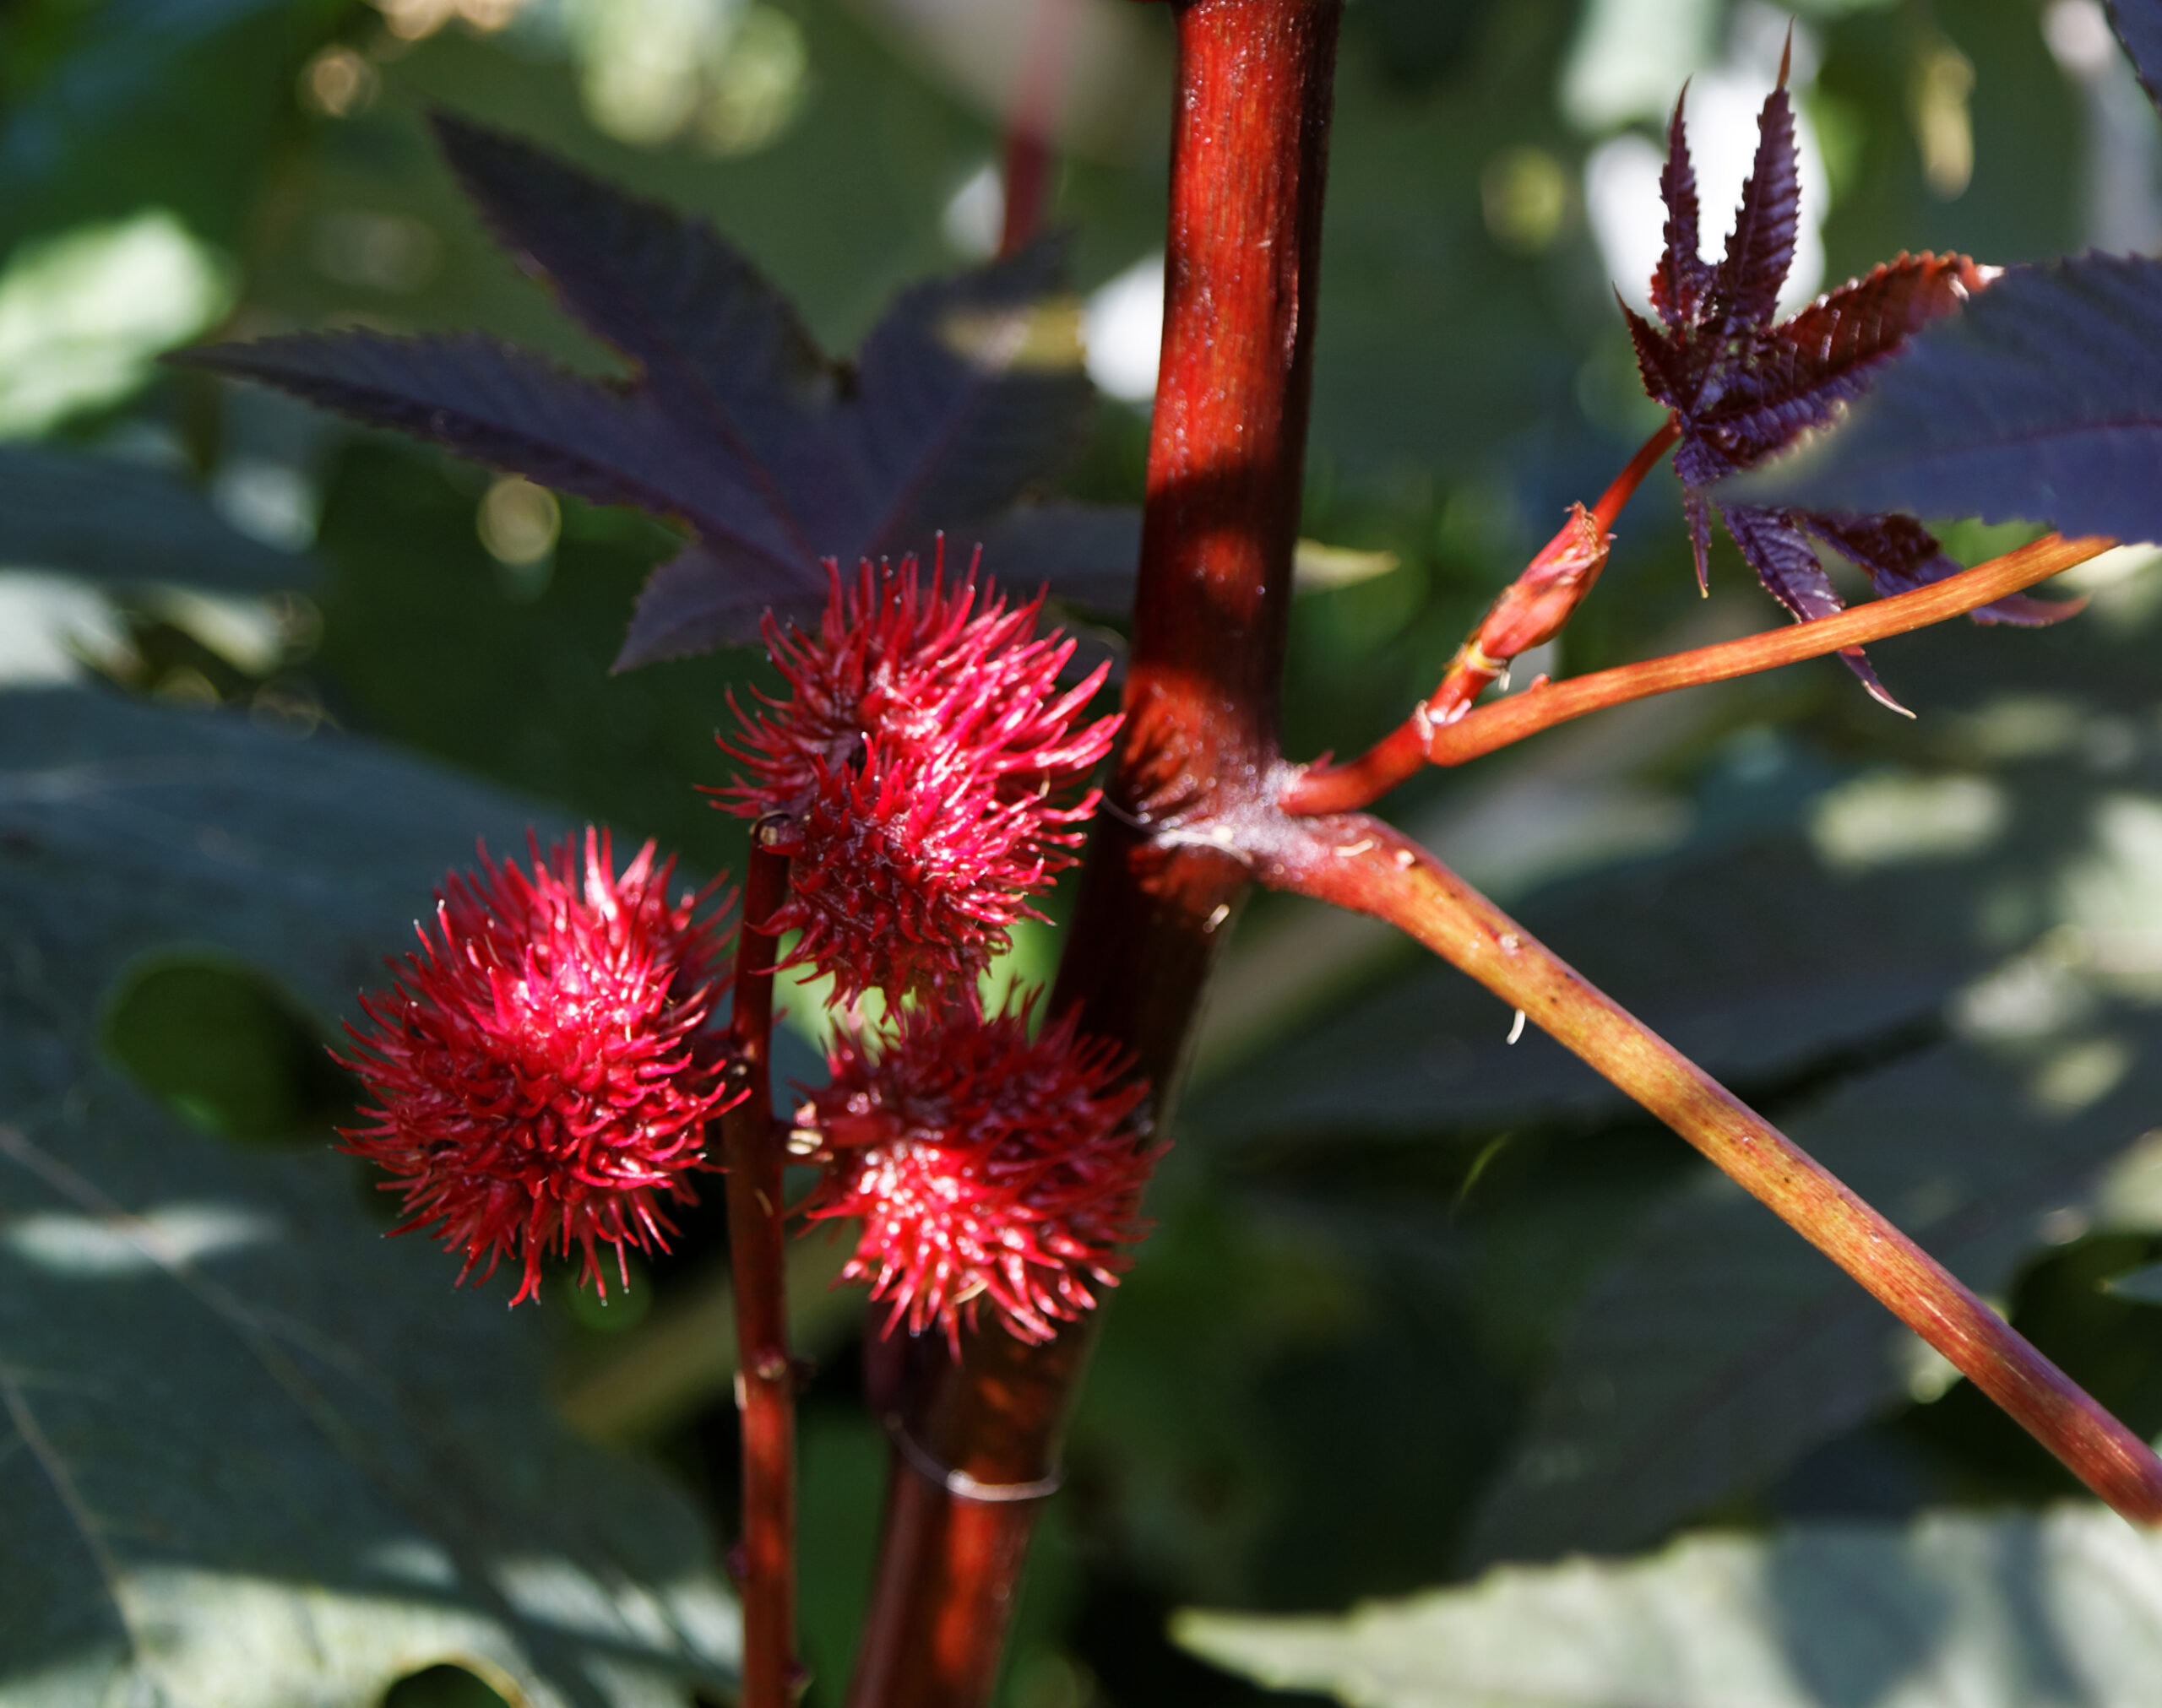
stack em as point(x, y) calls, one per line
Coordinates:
point(922, 760)
point(987, 1167)
point(541, 1070)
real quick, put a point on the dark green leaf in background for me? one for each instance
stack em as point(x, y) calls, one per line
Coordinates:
point(112, 522)
point(253, 1453)
point(1957, 1611)
point(1720, 1348)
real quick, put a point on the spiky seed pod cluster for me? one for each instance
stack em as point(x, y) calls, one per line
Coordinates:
point(927, 767)
point(989, 1169)
point(540, 1072)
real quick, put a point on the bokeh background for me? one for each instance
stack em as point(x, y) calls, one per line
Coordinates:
point(1417, 1300)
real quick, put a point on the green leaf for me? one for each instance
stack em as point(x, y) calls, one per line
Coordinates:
point(250, 1453)
point(2144, 1285)
point(147, 104)
point(125, 827)
point(1765, 961)
point(94, 515)
point(1954, 1612)
point(1721, 1347)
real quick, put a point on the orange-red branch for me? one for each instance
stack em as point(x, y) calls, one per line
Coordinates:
point(1361, 863)
point(752, 1149)
point(1419, 741)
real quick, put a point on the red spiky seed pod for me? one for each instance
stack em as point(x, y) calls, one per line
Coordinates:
point(987, 1168)
point(540, 1072)
point(923, 760)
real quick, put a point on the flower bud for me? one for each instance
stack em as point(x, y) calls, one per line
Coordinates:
point(539, 1073)
point(928, 767)
point(989, 1171)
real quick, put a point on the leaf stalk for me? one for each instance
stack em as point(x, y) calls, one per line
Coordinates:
point(1419, 741)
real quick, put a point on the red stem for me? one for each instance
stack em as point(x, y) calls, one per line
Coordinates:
point(1419, 742)
point(1361, 863)
point(1198, 746)
point(1026, 177)
point(1400, 754)
point(753, 1151)
point(1623, 486)
point(1547, 704)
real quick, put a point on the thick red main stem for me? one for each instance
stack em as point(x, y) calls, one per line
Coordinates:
point(1225, 469)
point(753, 1150)
point(1361, 863)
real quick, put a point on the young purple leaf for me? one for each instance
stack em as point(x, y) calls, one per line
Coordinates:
point(1745, 288)
point(2041, 401)
point(1742, 389)
point(1772, 542)
point(1899, 555)
point(1683, 277)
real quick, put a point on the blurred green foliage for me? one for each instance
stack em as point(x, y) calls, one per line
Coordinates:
point(1381, 1223)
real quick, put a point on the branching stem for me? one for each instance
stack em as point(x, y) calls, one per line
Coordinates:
point(1419, 741)
point(752, 1149)
point(1361, 863)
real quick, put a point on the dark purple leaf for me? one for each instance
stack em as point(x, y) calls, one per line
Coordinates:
point(970, 388)
point(704, 598)
point(2139, 28)
point(1899, 555)
point(967, 393)
point(1682, 278)
point(2042, 402)
point(1745, 289)
point(719, 350)
point(1080, 555)
point(1786, 563)
point(501, 406)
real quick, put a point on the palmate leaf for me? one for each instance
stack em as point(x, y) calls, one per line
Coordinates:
point(2041, 401)
point(964, 395)
point(1741, 389)
point(1955, 1611)
point(252, 1454)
